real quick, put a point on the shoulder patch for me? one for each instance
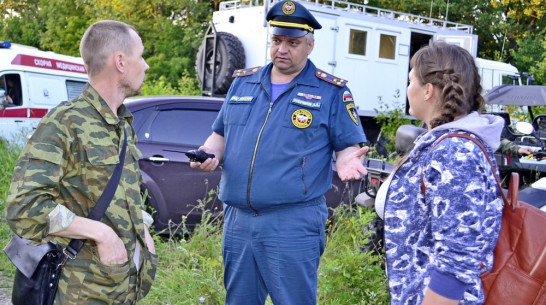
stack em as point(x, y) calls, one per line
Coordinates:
point(245, 72)
point(340, 82)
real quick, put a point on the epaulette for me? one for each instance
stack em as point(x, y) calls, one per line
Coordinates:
point(245, 72)
point(330, 78)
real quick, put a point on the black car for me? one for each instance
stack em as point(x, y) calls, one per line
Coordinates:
point(169, 126)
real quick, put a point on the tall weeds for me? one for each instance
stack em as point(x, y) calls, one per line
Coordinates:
point(8, 157)
point(190, 268)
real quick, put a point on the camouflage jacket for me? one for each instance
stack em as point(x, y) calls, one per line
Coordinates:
point(68, 161)
point(509, 148)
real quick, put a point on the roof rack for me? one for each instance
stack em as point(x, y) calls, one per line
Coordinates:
point(365, 10)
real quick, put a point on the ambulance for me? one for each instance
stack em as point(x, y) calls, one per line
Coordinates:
point(370, 47)
point(31, 83)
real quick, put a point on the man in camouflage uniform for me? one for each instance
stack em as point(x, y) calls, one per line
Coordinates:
point(512, 150)
point(66, 165)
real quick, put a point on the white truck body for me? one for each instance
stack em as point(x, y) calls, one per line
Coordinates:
point(370, 47)
point(39, 81)
point(496, 73)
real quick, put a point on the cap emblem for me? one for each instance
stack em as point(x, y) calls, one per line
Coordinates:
point(288, 8)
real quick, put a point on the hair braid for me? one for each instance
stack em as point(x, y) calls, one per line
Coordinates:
point(453, 97)
point(453, 70)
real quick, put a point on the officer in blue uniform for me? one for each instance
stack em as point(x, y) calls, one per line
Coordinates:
point(275, 137)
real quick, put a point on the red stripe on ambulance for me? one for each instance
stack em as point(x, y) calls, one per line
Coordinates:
point(47, 63)
point(23, 113)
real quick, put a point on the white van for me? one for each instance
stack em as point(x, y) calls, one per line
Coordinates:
point(31, 83)
point(496, 73)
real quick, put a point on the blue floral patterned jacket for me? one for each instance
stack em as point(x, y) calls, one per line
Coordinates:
point(442, 239)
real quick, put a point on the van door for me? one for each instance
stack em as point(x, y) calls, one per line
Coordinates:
point(45, 91)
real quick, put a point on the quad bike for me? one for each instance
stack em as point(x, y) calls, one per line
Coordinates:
point(526, 98)
point(531, 167)
point(535, 193)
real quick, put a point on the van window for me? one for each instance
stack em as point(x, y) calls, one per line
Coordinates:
point(11, 83)
point(387, 46)
point(74, 88)
point(357, 42)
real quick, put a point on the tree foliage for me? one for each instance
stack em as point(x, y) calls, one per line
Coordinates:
point(525, 34)
point(171, 30)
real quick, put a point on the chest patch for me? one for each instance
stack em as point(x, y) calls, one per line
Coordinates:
point(241, 99)
point(305, 103)
point(308, 96)
point(302, 118)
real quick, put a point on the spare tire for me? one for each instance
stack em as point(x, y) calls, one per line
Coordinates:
point(230, 55)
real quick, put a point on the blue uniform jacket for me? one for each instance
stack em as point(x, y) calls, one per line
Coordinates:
point(280, 153)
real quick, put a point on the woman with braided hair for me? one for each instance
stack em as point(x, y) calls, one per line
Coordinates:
point(443, 209)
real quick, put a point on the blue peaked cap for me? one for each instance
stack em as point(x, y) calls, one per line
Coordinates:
point(290, 18)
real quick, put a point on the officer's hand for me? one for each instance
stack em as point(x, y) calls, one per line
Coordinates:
point(209, 165)
point(349, 163)
point(111, 248)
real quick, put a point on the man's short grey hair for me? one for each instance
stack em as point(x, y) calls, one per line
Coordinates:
point(102, 39)
point(309, 37)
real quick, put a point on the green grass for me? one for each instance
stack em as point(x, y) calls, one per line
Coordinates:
point(190, 268)
point(8, 156)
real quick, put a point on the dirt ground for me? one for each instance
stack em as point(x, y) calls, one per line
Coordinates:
point(5, 299)
point(5, 290)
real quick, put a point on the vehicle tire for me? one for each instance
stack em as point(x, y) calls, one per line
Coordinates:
point(230, 55)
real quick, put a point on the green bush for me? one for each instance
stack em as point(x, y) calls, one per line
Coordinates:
point(390, 116)
point(187, 85)
point(190, 268)
point(346, 274)
point(8, 157)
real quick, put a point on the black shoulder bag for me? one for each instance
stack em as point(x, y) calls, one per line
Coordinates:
point(39, 267)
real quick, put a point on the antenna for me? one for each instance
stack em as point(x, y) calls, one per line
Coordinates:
point(502, 49)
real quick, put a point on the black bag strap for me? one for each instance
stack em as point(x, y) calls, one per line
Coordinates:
point(98, 210)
